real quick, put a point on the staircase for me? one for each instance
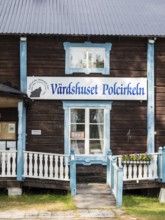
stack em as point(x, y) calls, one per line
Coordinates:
point(93, 195)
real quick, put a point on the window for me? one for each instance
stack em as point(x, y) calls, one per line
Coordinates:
point(87, 129)
point(87, 58)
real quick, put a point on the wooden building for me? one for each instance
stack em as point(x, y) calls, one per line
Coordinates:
point(93, 72)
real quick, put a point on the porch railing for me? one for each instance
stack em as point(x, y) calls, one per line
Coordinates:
point(140, 170)
point(115, 179)
point(46, 166)
point(8, 163)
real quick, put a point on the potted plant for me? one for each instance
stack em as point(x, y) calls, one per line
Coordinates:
point(136, 158)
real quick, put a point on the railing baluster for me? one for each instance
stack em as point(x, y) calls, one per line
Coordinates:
point(66, 169)
point(125, 171)
point(150, 171)
point(14, 164)
point(30, 165)
point(135, 168)
point(35, 165)
point(56, 167)
point(140, 171)
point(61, 168)
point(129, 171)
point(145, 171)
point(46, 166)
point(51, 166)
point(3, 163)
point(8, 164)
point(25, 164)
point(40, 165)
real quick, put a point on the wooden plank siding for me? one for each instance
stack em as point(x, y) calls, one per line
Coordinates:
point(9, 60)
point(160, 92)
point(129, 59)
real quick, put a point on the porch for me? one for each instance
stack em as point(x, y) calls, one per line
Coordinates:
point(57, 171)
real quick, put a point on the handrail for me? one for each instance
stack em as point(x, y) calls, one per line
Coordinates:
point(47, 153)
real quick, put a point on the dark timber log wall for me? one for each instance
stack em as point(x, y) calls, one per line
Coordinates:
point(9, 60)
point(129, 119)
point(160, 92)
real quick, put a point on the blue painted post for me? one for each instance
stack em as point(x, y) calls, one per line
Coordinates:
point(113, 163)
point(19, 145)
point(163, 164)
point(109, 153)
point(159, 164)
point(119, 196)
point(151, 98)
point(66, 128)
point(72, 173)
point(23, 83)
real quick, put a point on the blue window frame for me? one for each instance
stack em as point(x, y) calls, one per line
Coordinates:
point(87, 130)
point(87, 58)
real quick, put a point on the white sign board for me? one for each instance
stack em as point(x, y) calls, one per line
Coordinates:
point(87, 88)
point(36, 132)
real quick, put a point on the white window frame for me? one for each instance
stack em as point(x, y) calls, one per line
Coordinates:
point(87, 125)
point(104, 71)
point(88, 158)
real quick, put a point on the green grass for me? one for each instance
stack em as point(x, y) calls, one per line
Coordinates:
point(44, 202)
point(144, 207)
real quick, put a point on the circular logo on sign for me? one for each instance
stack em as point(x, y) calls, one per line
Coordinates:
point(38, 88)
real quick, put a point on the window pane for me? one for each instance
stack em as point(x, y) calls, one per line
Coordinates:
point(78, 127)
point(78, 57)
point(96, 57)
point(78, 146)
point(77, 131)
point(96, 131)
point(96, 116)
point(77, 115)
point(96, 147)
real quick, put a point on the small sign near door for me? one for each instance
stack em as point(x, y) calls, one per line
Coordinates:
point(36, 132)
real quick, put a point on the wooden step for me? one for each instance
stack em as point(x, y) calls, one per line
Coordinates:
point(94, 196)
point(92, 188)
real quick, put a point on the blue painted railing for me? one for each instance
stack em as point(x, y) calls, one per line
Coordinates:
point(161, 164)
point(72, 173)
point(115, 178)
